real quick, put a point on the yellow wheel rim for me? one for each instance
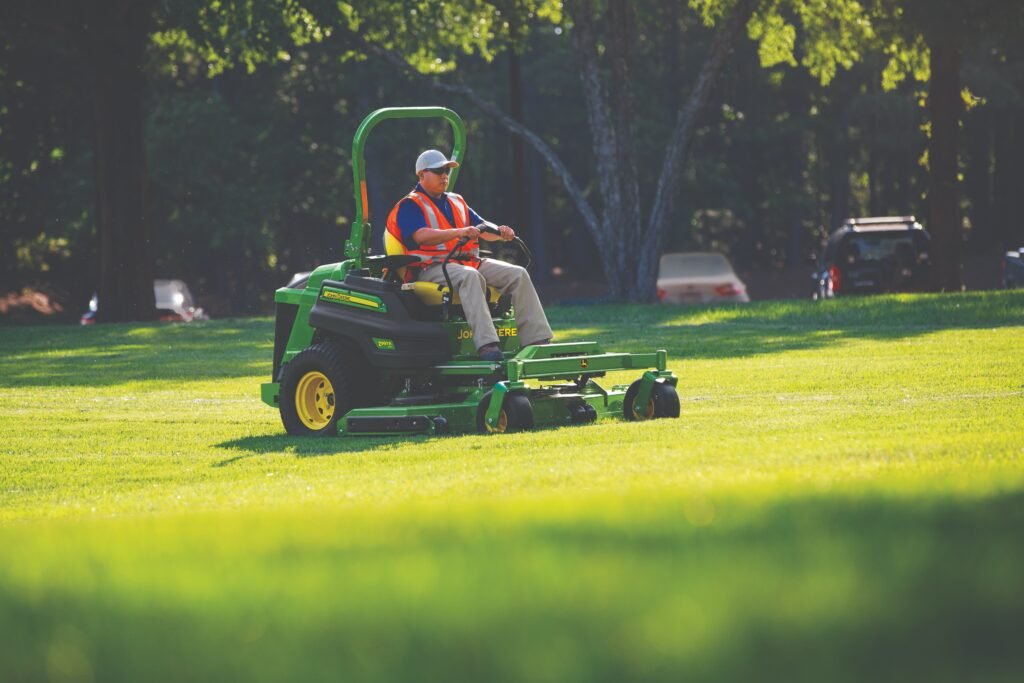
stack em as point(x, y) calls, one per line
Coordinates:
point(501, 426)
point(314, 400)
point(648, 411)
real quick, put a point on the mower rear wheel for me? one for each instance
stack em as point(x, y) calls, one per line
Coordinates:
point(516, 414)
point(316, 390)
point(664, 402)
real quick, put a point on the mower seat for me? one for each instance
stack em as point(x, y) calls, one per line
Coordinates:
point(429, 293)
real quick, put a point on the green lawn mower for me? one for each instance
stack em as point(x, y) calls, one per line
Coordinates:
point(359, 352)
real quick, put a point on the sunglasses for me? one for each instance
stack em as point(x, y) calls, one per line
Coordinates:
point(444, 170)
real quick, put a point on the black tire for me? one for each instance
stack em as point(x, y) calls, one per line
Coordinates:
point(316, 390)
point(516, 414)
point(373, 390)
point(664, 402)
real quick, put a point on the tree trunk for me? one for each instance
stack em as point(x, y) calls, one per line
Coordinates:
point(1008, 178)
point(874, 182)
point(517, 184)
point(602, 133)
point(979, 130)
point(629, 259)
point(944, 109)
point(646, 275)
point(536, 190)
point(838, 151)
point(627, 221)
point(113, 40)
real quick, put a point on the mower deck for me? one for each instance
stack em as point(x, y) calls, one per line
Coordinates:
point(564, 391)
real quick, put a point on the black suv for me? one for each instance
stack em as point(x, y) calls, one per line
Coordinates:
point(874, 255)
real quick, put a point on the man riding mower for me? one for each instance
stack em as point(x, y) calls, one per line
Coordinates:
point(364, 347)
point(434, 224)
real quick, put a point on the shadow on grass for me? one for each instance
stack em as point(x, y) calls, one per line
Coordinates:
point(868, 588)
point(772, 327)
point(312, 447)
point(105, 355)
point(306, 447)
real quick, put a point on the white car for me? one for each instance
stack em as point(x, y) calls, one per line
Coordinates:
point(698, 278)
point(174, 303)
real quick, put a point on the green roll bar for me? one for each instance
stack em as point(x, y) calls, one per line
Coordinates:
point(358, 244)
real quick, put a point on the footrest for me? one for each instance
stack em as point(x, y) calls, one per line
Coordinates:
point(564, 363)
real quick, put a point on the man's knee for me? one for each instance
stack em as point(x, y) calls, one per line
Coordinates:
point(476, 277)
point(516, 274)
point(470, 277)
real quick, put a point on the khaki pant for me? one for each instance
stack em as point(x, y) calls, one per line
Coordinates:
point(471, 286)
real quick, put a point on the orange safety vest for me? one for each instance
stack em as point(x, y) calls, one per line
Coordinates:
point(434, 218)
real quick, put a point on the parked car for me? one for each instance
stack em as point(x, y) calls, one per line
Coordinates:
point(875, 255)
point(698, 278)
point(174, 303)
point(1013, 269)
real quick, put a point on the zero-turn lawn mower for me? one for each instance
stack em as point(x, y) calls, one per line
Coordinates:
point(359, 352)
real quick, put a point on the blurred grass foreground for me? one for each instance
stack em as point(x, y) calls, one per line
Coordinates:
point(841, 500)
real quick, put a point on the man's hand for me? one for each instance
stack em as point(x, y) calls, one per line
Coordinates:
point(505, 233)
point(470, 232)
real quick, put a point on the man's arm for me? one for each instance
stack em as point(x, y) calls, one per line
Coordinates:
point(507, 233)
point(428, 237)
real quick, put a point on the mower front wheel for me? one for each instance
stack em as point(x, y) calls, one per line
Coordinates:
point(516, 414)
point(664, 402)
point(316, 390)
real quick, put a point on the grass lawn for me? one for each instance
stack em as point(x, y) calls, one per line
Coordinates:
point(842, 499)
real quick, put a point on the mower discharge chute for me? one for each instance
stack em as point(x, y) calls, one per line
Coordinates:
point(359, 352)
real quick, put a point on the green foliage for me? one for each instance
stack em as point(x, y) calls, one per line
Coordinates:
point(711, 11)
point(776, 39)
point(835, 34)
point(432, 35)
point(905, 59)
point(247, 33)
point(836, 467)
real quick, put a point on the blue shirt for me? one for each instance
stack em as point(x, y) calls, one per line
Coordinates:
point(410, 216)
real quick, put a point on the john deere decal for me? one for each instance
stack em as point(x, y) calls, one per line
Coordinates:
point(354, 299)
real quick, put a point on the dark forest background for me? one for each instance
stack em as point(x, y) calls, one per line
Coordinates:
point(248, 179)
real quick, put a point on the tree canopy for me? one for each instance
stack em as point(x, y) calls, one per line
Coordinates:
point(209, 139)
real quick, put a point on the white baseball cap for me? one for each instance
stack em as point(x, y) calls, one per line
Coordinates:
point(434, 159)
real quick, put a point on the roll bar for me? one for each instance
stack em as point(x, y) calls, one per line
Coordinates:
point(358, 244)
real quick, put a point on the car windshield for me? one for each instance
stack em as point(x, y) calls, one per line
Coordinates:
point(693, 265)
point(884, 246)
